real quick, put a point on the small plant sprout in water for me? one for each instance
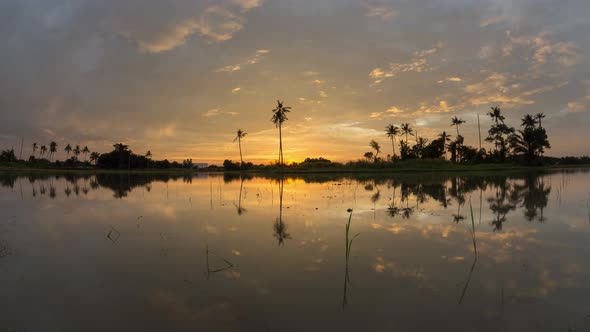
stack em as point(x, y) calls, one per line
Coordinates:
point(347, 257)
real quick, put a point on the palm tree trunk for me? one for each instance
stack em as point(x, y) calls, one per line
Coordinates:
point(281, 160)
point(241, 159)
point(393, 147)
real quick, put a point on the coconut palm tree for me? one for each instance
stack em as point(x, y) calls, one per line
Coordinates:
point(34, 148)
point(455, 121)
point(85, 151)
point(375, 146)
point(77, 151)
point(496, 115)
point(278, 117)
point(52, 149)
point(239, 135)
point(406, 129)
point(120, 147)
point(392, 131)
point(529, 121)
point(94, 157)
point(42, 151)
point(68, 149)
point(539, 117)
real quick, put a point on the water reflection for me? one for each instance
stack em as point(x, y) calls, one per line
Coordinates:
point(279, 227)
point(437, 251)
point(508, 193)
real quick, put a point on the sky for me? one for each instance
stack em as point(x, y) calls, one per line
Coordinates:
point(180, 77)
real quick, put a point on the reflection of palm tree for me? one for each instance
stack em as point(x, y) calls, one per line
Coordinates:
point(239, 135)
point(239, 208)
point(278, 117)
point(280, 228)
point(392, 131)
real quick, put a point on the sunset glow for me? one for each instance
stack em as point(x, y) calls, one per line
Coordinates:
point(179, 78)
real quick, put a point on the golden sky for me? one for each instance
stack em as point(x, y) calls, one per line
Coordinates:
point(180, 77)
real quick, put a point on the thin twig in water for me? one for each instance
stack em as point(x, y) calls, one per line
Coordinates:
point(474, 257)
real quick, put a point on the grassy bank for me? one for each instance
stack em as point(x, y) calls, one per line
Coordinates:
point(411, 166)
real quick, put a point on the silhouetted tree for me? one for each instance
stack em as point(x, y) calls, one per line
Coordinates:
point(392, 131)
point(239, 135)
point(85, 151)
point(68, 149)
point(455, 121)
point(375, 146)
point(52, 149)
point(34, 148)
point(278, 117)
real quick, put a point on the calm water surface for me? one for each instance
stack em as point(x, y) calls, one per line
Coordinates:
point(215, 253)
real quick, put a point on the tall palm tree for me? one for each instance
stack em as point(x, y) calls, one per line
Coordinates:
point(496, 115)
point(392, 131)
point(34, 148)
point(94, 157)
point(375, 146)
point(52, 149)
point(42, 151)
point(85, 151)
point(455, 121)
point(278, 117)
point(539, 117)
point(529, 121)
point(406, 129)
point(68, 149)
point(77, 151)
point(239, 135)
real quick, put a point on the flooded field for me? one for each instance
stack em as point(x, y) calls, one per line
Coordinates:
point(430, 252)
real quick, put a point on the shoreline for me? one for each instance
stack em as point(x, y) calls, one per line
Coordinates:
point(320, 170)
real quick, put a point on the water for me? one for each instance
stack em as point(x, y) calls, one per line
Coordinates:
point(215, 253)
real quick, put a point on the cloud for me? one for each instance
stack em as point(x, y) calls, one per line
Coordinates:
point(418, 64)
point(380, 11)
point(256, 58)
point(236, 90)
point(211, 113)
point(216, 23)
point(323, 94)
point(493, 20)
point(544, 51)
point(576, 106)
point(393, 111)
point(310, 73)
point(229, 68)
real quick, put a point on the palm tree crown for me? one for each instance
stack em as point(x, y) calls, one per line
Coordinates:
point(455, 121)
point(406, 129)
point(496, 114)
